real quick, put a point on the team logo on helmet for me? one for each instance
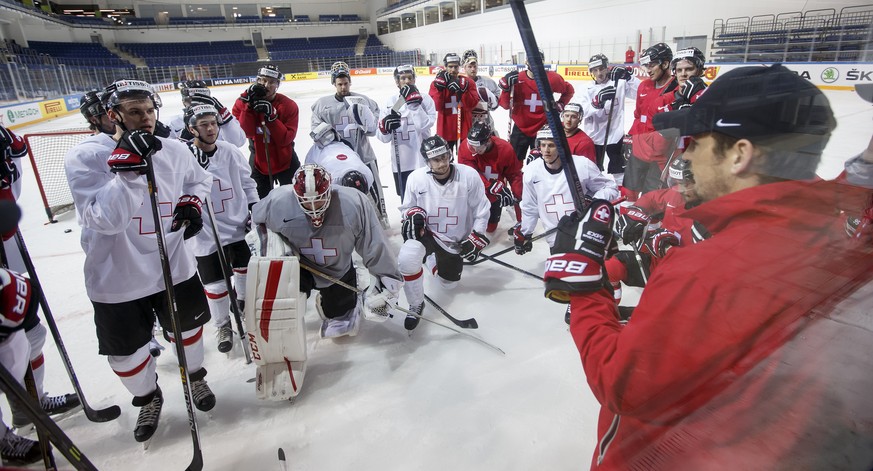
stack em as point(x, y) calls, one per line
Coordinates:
point(311, 185)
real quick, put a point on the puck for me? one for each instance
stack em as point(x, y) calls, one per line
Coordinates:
point(67, 231)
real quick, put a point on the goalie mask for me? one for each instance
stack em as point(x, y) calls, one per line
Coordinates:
point(312, 188)
point(323, 134)
point(339, 69)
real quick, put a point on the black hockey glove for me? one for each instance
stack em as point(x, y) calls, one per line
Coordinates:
point(621, 73)
point(523, 243)
point(661, 241)
point(508, 81)
point(441, 80)
point(504, 195)
point(687, 94)
point(415, 225)
point(473, 245)
point(254, 93)
point(8, 172)
point(266, 108)
point(410, 94)
point(605, 94)
point(202, 158)
point(132, 152)
point(390, 123)
point(631, 225)
point(188, 215)
point(582, 244)
point(224, 115)
point(162, 130)
point(458, 86)
point(533, 155)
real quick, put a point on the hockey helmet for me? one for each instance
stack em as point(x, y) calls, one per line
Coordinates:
point(91, 106)
point(191, 87)
point(434, 147)
point(339, 69)
point(693, 55)
point(480, 113)
point(451, 58)
point(124, 89)
point(470, 55)
point(193, 113)
point(573, 108)
point(311, 184)
point(658, 53)
point(355, 179)
point(270, 71)
point(679, 172)
point(479, 136)
point(323, 134)
point(403, 69)
point(598, 60)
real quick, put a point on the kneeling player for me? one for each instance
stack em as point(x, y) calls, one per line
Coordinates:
point(342, 163)
point(446, 213)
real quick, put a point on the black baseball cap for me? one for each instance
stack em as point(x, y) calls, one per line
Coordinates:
point(10, 213)
point(766, 105)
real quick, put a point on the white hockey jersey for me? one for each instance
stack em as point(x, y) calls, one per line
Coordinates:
point(230, 132)
point(338, 113)
point(233, 190)
point(350, 224)
point(115, 213)
point(338, 159)
point(594, 120)
point(416, 125)
point(546, 194)
point(454, 209)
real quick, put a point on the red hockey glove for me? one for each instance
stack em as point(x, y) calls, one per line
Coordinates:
point(415, 225)
point(508, 81)
point(523, 243)
point(661, 241)
point(410, 94)
point(16, 300)
point(441, 80)
point(188, 215)
point(504, 195)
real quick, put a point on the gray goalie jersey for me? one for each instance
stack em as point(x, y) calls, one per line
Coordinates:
point(356, 128)
point(350, 224)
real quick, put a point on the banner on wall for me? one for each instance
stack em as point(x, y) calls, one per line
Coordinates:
point(302, 76)
point(422, 70)
point(385, 70)
point(233, 80)
point(72, 102)
point(17, 115)
point(52, 108)
point(363, 71)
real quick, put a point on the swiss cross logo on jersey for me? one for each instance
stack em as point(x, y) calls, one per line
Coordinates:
point(342, 157)
point(601, 214)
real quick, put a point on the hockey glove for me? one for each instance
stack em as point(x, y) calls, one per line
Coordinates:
point(523, 242)
point(202, 158)
point(632, 224)
point(621, 73)
point(188, 215)
point(627, 149)
point(533, 155)
point(508, 81)
point(503, 194)
point(16, 300)
point(410, 94)
point(254, 93)
point(8, 172)
point(581, 246)
point(362, 115)
point(662, 240)
point(266, 108)
point(699, 233)
point(458, 86)
point(473, 245)
point(380, 298)
point(605, 94)
point(224, 115)
point(441, 80)
point(133, 151)
point(390, 123)
point(162, 130)
point(415, 225)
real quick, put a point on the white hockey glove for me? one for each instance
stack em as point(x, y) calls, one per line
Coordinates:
point(363, 115)
point(380, 298)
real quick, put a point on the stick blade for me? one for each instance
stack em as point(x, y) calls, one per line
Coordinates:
point(102, 415)
point(281, 454)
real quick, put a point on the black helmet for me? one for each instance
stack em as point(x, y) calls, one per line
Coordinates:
point(270, 71)
point(480, 133)
point(658, 53)
point(355, 179)
point(598, 60)
point(434, 146)
point(190, 87)
point(679, 172)
point(691, 54)
point(451, 57)
point(90, 105)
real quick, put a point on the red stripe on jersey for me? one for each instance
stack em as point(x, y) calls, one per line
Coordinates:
point(215, 295)
point(128, 374)
point(37, 362)
point(413, 277)
point(190, 340)
point(241, 271)
point(273, 276)
point(291, 372)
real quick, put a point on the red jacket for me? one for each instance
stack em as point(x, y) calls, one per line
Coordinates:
point(447, 109)
point(581, 144)
point(527, 104)
point(736, 356)
point(499, 163)
point(667, 203)
point(648, 144)
point(282, 132)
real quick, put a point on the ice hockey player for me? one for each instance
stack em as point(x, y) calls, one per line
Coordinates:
point(261, 108)
point(354, 117)
point(445, 217)
point(615, 84)
point(688, 69)
point(92, 109)
point(195, 92)
point(233, 193)
point(500, 171)
point(323, 224)
point(650, 150)
point(406, 128)
point(12, 149)
point(580, 143)
point(488, 90)
point(455, 96)
point(123, 276)
point(340, 161)
point(526, 107)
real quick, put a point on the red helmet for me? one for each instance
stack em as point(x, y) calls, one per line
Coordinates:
point(312, 187)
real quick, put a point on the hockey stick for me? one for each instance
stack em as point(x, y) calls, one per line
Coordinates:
point(197, 459)
point(511, 99)
point(577, 191)
point(396, 108)
point(511, 267)
point(41, 420)
point(234, 307)
point(282, 464)
point(45, 447)
point(94, 415)
point(404, 310)
point(510, 249)
point(638, 258)
point(267, 150)
point(462, 323)
point(601, 158)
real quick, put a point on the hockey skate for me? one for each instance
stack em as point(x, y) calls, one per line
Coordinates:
point(202, 396)
point(52, 405)
point(411, 322)
point(18, 451)
point(225, 337)
point(149, 413)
